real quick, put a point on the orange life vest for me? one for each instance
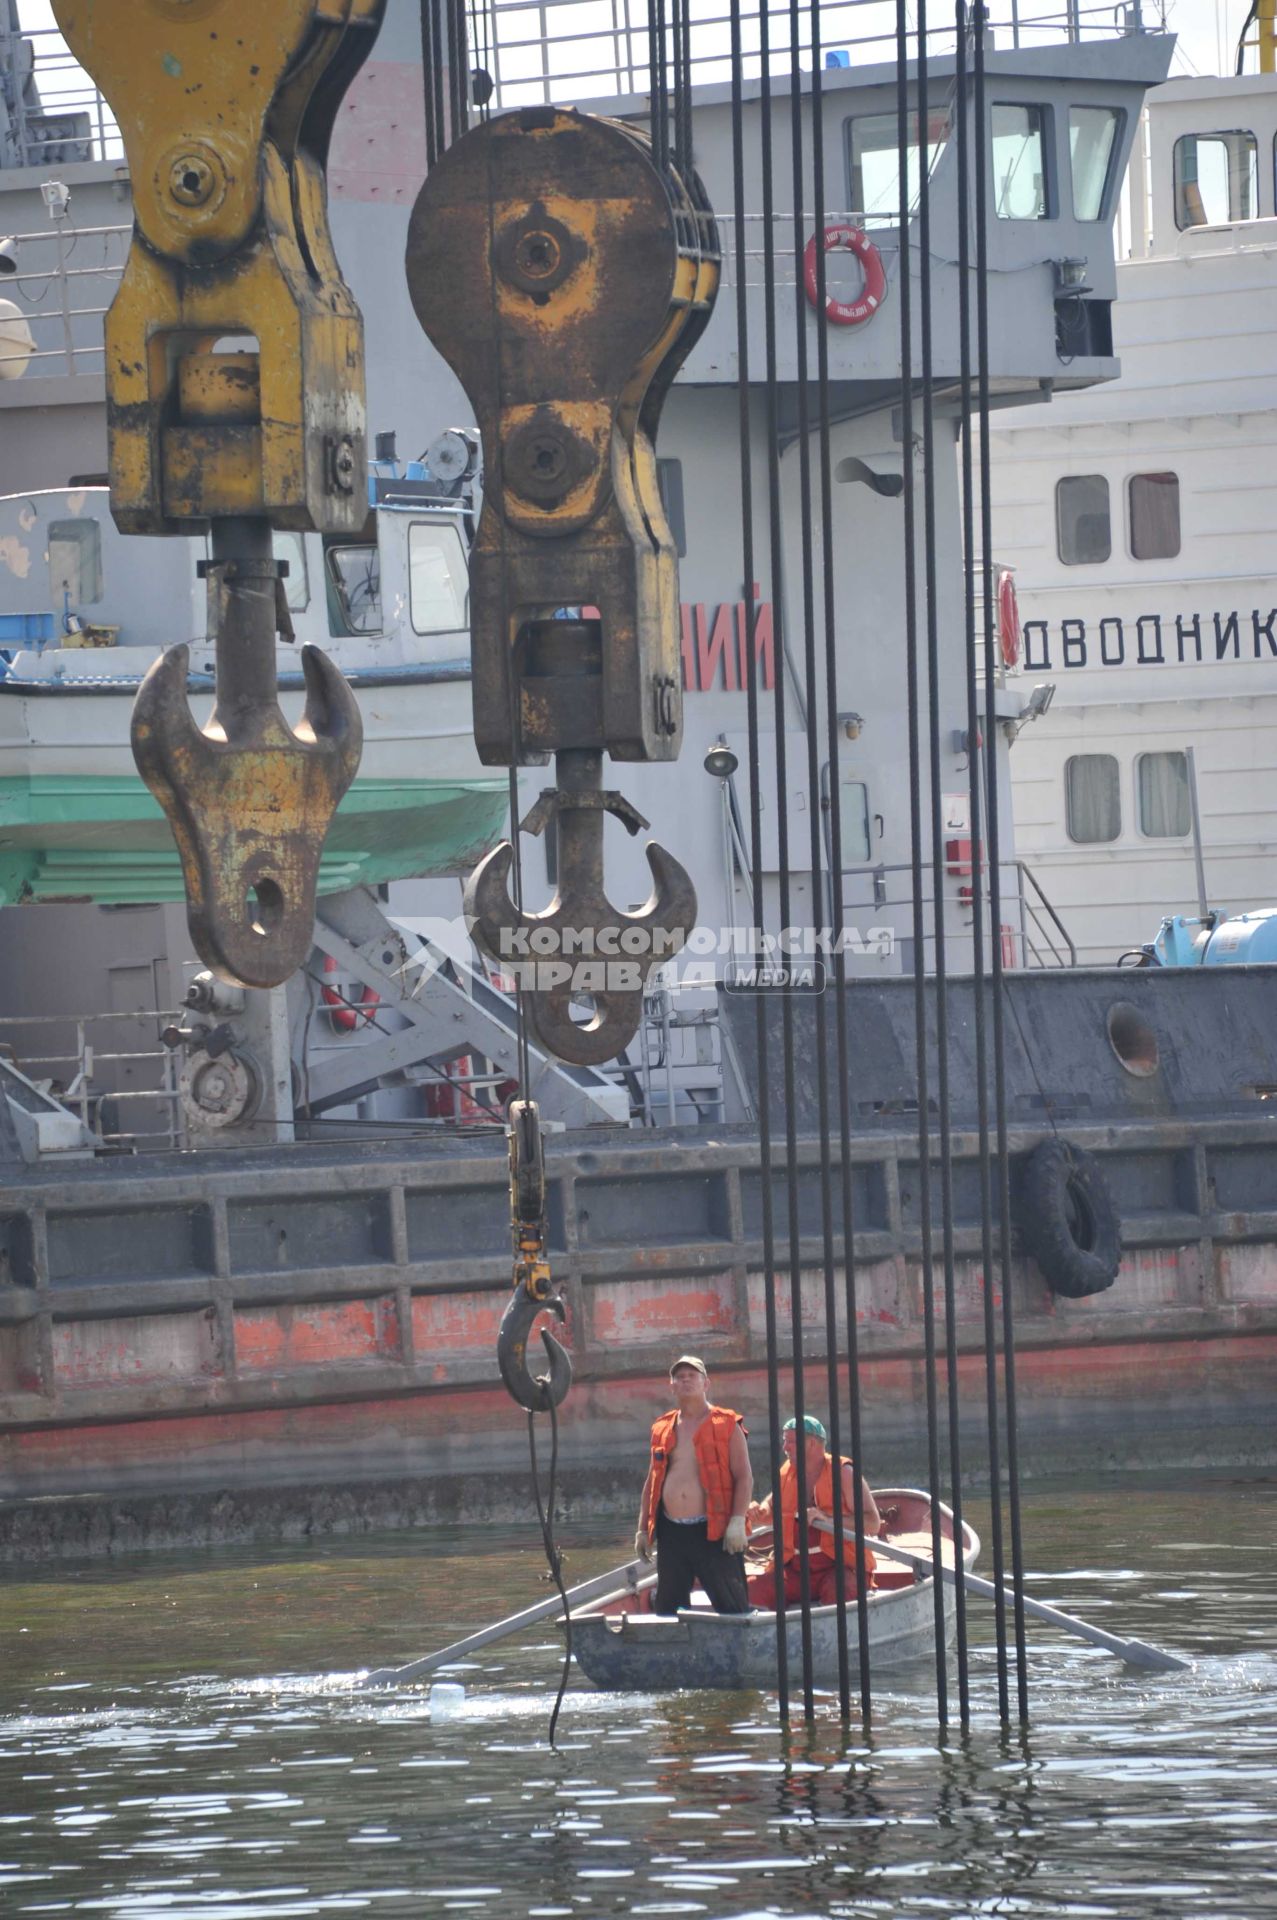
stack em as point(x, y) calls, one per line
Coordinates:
point(712, 1444)
point(822, 1496)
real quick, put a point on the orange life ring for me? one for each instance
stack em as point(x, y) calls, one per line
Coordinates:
point(344, 1013)
point(847, 313)
point(1008, 619)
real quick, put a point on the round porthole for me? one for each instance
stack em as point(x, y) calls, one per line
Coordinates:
point(1133, 1040)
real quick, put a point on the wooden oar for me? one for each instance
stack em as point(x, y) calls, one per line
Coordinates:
point(1136, 1653)
point(634, 1577)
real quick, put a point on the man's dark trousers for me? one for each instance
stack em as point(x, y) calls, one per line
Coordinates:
point(684, 1554)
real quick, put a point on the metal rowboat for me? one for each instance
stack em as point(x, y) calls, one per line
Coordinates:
point(623, 1647)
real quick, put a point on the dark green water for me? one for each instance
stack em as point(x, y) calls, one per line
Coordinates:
point(181, 1738)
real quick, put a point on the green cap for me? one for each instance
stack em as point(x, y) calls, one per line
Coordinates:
point(810, 1425)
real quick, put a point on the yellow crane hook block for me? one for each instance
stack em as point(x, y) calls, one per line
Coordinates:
point(226, 108)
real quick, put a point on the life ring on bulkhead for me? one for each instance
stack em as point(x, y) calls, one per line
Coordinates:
point(1008, 619)
point(344, 1013)
point(847, 313)
point(1068, 1220)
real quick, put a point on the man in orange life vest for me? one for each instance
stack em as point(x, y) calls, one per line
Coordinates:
point(694, 1498)
point(819, 1469)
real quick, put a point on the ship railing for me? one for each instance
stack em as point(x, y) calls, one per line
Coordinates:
point(564, 51)
point(1030, 933)
point(55, 114)
point(85, 1061)
point(64, 284)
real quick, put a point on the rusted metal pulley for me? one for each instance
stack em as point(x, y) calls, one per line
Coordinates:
point(564, 276)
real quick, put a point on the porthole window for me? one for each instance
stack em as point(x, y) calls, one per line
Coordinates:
point(1093, 798)
point(1153, 502)
point(1162, 786)
point(1083, 525)
point(1216, 179)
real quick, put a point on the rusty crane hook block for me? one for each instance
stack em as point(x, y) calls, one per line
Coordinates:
point(234, 377)
point(533, 1287)
point(564, 277)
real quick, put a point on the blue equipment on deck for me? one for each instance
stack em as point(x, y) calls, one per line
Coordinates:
point(1220, 940)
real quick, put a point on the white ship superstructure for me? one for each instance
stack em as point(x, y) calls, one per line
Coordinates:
point(1139, 517)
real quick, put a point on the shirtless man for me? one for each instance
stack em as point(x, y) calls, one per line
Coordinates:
point(694, 1498)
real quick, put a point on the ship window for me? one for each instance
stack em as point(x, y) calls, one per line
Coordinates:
point(874, 165)
point(353, 585)
point(1020, 186)
point(1083, 532)
point(1093, 798)
point(292, 548)
point(669, 478)
point(1154, 505)
point(1162, 783)
point(1216, 179)
point(1092, 138)
point(75, 563)
point(436, 577)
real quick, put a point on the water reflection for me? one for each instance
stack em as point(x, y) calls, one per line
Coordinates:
point(190, 1738)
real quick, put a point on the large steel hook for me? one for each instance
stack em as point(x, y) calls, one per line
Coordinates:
point(248, 798)
point(580, 948)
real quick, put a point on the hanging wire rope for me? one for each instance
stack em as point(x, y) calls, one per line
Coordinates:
point(838, 928)
point(975, 802)
point(916, 843)
point(940, 978)
point(745, 408)
point(992, 801)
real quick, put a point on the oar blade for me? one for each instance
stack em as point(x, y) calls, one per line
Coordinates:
point(1138, 1653)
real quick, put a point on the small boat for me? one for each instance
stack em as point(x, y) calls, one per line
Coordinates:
point(623, 1647)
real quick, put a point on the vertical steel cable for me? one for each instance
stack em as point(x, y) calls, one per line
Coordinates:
point(976, 803)
point(780, 642)
point(659, 83)
point(458, 69)
point(807, 541)
point(740, 240)
point(916, 835)
point(941, 974)
point(430, 77)
point(980, 17)
point(837, 910)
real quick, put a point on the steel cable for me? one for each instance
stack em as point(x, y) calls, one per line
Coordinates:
point(750, 598)
point(992, 801)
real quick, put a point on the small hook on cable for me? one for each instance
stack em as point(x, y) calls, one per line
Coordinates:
point(537, 1392)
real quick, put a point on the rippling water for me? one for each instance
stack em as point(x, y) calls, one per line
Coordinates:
point(183, 1737)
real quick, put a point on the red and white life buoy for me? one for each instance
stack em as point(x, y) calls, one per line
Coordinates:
point(847, 313)
point(1008, 619)
point(346, 1013)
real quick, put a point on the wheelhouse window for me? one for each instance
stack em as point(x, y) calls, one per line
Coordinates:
point(291, 547)
point(1092, 141)
point(1162, 789)
point(353, 585)
point(1083, 525)
point(1153, 502)
point(75, 563)
point(1093, 798)
point(1216, 179)
point(873, 163)
point(1021, 188)
point(436, 577)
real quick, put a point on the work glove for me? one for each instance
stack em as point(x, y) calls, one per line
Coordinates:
point(734, 1534)
point(642, 1545)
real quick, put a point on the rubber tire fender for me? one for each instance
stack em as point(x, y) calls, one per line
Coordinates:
point(1068, 1219)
